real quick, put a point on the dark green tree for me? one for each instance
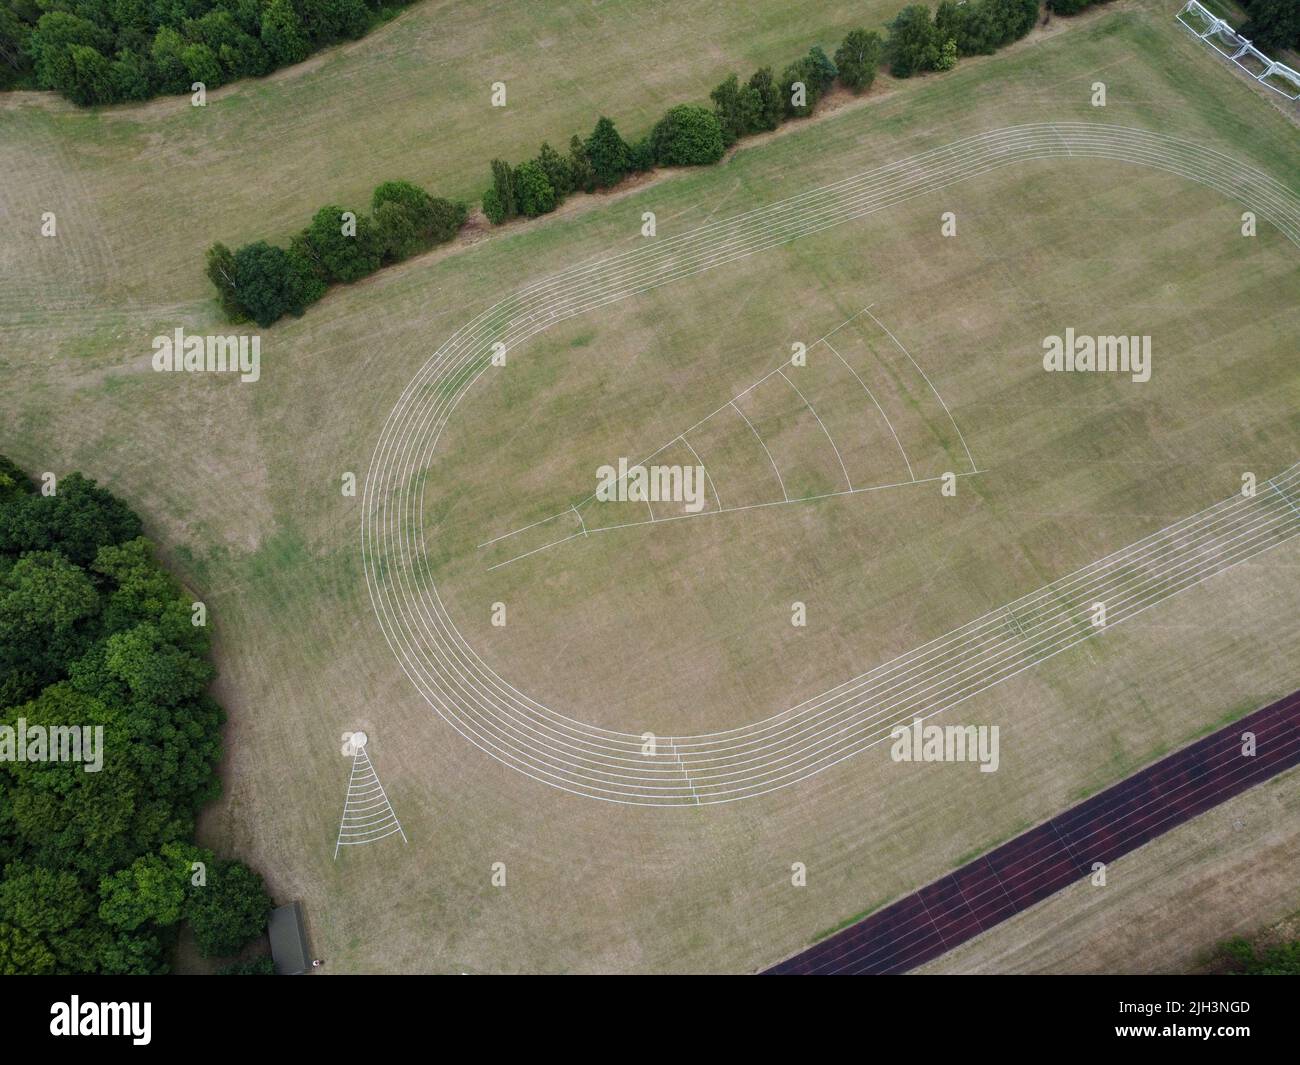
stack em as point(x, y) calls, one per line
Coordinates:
point(397, 234)
point(556, 169)
point(858, 58)
point(608, 153)
point(771, 102)
point(913, 44)
point(580, 171)
point(800, 88)
point(340, 244)
point(533, 190)
point(282, 33)
point(687, 135)
point(220, 268)
point(229, 911)
point(271, 282)
point(823, 68)
point(1273, 24)
point(503, 183)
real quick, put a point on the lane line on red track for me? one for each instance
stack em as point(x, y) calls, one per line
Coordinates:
point(1104, 827)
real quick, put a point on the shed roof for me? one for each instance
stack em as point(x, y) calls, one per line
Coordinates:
point(289, 940)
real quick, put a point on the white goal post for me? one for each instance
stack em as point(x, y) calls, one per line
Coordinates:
point(1231, 45)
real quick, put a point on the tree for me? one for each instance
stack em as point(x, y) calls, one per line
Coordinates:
point(1241, 957)
point(771, 103)
point(77, 520)
point(913, 45)
point(436, 220)
point(332, 20)
point(134, 588)
point(15, 35)
point(533, 190)
point(728, 107)
point(152, 669)
point(493, 209)
point(14, 483)
point(1014, 18)
point(46, 607)
point(640, 156)
point(23, 954)
point(1273, 23)
point(687, 135)
point(556, 169)
point(131, 76)
point(340, 245)
point(231, 909)
point(95, 866)
point(282, 33)
point(201, 65)
point(580, 171)
point(799, 103)
point(823, 70)
point(166, 56)
point(271, 282)
point(220, 268)
point(151, 890)
point(50, 45)
point(947, 55)
point(397, 235)
point(40, 900)
point(858, 57)
point(503, 184)
point(92, 78)
point(608, 154)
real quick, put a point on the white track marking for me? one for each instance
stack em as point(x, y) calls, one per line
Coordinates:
point(740, 508)
point(770, 459)
point(1285, 497)
point(717, 499)
point(780, 750)
point(368, 816)
point(872, 396)
point(946, 411)
point(744, 392)
point(847, 478)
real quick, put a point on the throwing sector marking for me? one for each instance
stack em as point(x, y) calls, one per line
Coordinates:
point(368, 816)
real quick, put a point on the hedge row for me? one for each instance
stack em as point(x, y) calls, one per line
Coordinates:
point(687, 135)
point(263, 282)
point(97, 51)
point(690, 135)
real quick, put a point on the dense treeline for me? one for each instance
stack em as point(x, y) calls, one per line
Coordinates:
point(263, 282)
point(1272, 23)
point(97, 869)
point(105, 51)
point(690, 135)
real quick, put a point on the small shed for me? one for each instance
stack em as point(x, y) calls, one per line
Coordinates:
point(289, 940)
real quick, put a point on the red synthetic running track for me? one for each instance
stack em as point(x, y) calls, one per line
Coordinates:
point(1040, 862)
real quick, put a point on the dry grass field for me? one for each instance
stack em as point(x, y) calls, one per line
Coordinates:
point(682, 626)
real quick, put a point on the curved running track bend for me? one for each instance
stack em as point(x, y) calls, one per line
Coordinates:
point(1042, 861)
point(803, 740)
